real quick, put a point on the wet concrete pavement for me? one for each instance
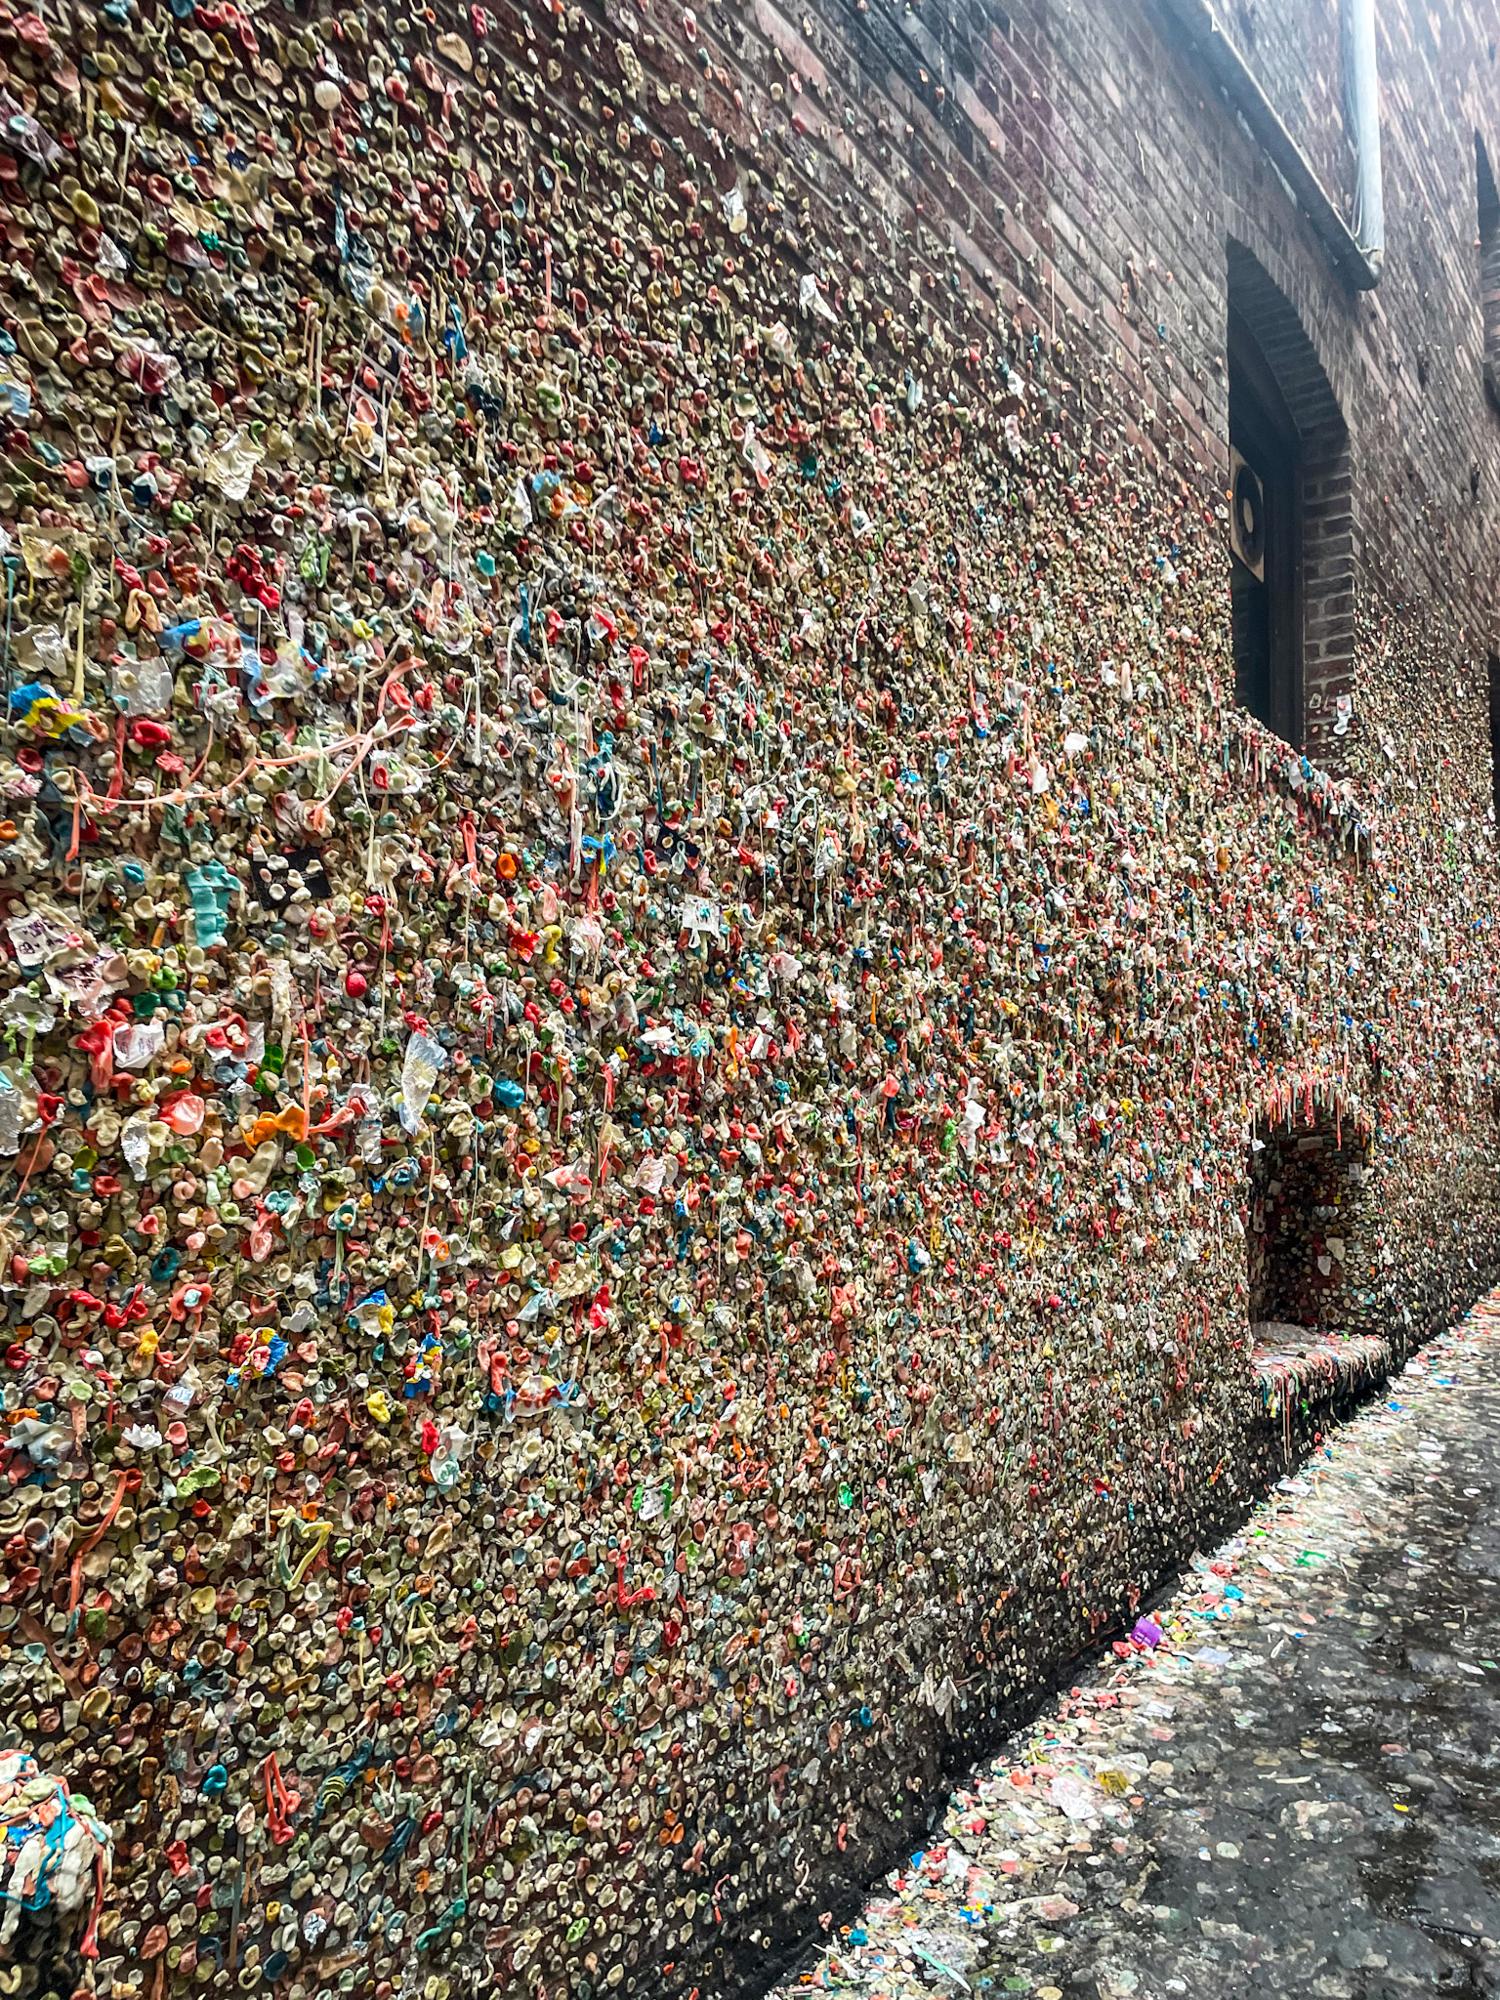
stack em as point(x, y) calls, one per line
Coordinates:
point(1293, 1790)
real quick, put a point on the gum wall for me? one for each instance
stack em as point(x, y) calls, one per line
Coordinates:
point(643, 940)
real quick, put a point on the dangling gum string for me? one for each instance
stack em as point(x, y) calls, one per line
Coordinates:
point(83, 591)
point(39, 1636)
point(112, 797)
point(85, 795)
point(185, 794)
point(427, 1210)
point(319, 1531)
point(306, 1077)
point(128, 1482)
point(281, 1803)
point(89, 1946)
point(9, 1214)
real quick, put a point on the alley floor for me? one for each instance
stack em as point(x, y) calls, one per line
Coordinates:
point(1287, 1783)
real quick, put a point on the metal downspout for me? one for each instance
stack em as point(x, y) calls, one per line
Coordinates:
point(1363, 80)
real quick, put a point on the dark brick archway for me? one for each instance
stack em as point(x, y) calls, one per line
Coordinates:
point(1326, 497)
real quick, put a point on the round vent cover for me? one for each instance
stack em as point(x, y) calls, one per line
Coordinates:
point(1247, 535)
